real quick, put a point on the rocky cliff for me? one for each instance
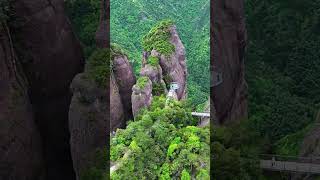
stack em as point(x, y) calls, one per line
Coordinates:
point(122, 80)
point(89, 113)
point(163, 62)
point(162, 46)
point(50, 56)
point(229, 41)
point(102, 34)
point(141, 95)
point(21, 150)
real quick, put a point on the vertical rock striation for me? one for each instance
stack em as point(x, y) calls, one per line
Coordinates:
point(102, 39)
point(88, 121)
point(20, 143)
point(50, 56)
point(89, 114)
point(173, 65)
point(124, 80)
point(229, 41)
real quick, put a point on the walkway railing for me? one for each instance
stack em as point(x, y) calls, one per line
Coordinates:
point(290, 163)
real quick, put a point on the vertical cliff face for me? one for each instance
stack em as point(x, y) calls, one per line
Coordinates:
point(229, 41)
point(102, 39)
point(163, 43)
point(21, 151)
point(163, 62)
point(117, 115)
point(89, 113)
point(50, 56)
point(141, 95)
point(88, 121)
point(124, 79)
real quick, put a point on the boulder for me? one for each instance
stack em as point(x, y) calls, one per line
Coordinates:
point(88, 122)
point(141, 95)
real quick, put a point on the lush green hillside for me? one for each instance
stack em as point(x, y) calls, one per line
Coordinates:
point(283, 65)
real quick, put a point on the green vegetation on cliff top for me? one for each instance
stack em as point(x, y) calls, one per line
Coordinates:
point(142, 82)
point(158, 38)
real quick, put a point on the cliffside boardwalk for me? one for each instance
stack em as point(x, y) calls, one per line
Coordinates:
point(290, 164)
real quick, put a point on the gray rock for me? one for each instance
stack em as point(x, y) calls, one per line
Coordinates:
point(141, 97)
point(230, 97)
point(174, 67)
point(88, 122)
point(117, 115)
point(21, 148)
point(124, 80)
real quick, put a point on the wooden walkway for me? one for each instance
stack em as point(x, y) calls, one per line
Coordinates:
point(302, 165)
point(204, 114)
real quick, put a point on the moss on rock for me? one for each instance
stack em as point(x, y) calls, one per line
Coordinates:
point(142, 81)
point(158, 38)
point(153, 61)
point(117, 50)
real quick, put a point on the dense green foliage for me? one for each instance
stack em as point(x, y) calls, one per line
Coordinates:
point(142, 81)
point(84, 15)
point(163, 143)
point(235, 152)
point(98, 167)
point(158, 38)
point(283, 65)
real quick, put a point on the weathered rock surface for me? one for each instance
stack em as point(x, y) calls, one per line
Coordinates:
point(88, 121)
point(102, 39)
point(21, 150)
point(117, 115)
point(173, 67)
point(141, 97)
point(50, 56)
point(89, 114)
point(155, 75)
point(229, 41)
point(124, 80)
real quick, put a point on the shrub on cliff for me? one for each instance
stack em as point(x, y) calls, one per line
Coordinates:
point(98, 66)
point(158, 38)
